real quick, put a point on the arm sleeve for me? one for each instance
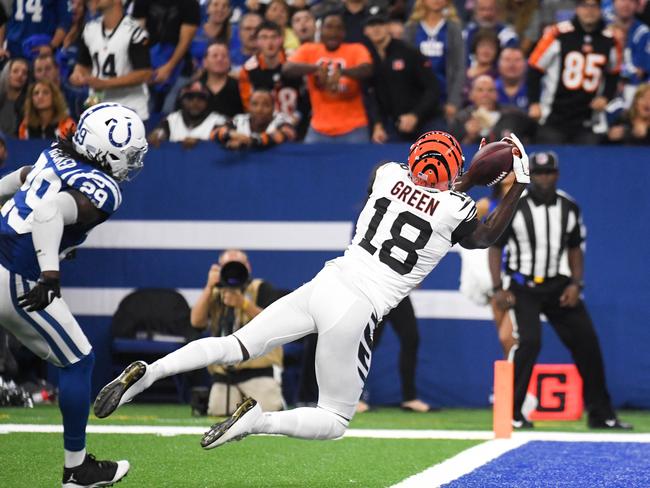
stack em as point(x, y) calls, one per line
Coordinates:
point(577, 233)
point(139, 49)
point(50, 216)
point(83, 57)
point(455, 64)
point(10, 184)
point(466, 216)
point(534, 84)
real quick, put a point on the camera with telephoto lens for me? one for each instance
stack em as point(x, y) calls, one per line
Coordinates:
point(233, 275)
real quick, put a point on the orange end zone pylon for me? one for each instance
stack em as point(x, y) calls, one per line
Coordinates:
point(504, 379)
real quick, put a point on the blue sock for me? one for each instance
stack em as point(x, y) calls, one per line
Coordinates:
point(74, 401)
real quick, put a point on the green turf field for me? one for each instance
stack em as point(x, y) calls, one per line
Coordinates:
point(34, 460)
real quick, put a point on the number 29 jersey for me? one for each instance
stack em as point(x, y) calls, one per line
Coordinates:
point(52, 173)
point(402, 233)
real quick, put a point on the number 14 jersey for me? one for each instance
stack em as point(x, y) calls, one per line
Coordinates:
point(402, 233)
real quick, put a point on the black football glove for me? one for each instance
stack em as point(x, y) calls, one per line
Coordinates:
point(39, 297)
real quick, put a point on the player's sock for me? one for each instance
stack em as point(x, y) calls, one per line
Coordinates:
point(195, 355)
point(74, 458)
point(305, 423)
point(74, 402)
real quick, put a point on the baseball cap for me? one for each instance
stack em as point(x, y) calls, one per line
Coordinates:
point(376, 15)
point(543, 161)
point(195, 89)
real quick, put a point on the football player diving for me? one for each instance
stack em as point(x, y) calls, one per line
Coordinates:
point(411, 219)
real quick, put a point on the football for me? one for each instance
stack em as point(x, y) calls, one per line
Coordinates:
point(491, 164)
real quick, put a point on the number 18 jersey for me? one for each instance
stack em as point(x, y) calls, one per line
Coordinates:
point(402, 233)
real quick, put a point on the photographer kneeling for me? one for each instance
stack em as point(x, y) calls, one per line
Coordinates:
point(229, 301)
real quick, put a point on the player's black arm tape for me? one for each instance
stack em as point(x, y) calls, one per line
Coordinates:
point(487, 234)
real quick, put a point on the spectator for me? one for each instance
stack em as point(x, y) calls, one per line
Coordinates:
point(355, 13)
point(46, 69)
point(171, 25)
point(215, 28)
point(396, 28)
point(334, 71)
point(32, 19)
point(246, 45)
point(223, 309)
point(404, 88)
point(574, 72)
point(555, 11)
point(46, 114)
point(635, 127)
point(303, 24)
point(115, 67)
point(512, 90)
point(278, 12)
point(634, 36)
point(524, 17)
point(264, 71)
point(259, 128)
point(484, 117)
point(546, 230)
point(433, 28)
point(4, 17)
point(224, 90)
point(487, 16)
point(13, 89)
point(4, 153)
point(485, 52)
point(194, 121)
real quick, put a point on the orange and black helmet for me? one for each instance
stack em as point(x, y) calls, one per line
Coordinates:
point(435, 160)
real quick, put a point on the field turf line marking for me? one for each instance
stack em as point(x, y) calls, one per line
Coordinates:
point(358, 433)
point(461, 464)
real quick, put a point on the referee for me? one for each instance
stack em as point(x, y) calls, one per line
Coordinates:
point(544, 263)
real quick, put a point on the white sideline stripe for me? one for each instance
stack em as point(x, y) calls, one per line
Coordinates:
point(518, 437)
point(428, 304)
point(459, 465)
point(211, 235)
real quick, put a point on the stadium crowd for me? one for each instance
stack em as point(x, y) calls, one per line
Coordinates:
point(258, 73)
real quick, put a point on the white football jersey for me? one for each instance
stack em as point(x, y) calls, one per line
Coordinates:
point(402, 233)
point(242, 123)
point(178, 131)
point(110, 58)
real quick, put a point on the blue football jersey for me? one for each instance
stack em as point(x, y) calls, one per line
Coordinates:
point(30, 17)
point(432, 43)
point(52, 173)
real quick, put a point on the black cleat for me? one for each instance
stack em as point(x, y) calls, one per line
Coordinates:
point(111, 395)
point(522, 424)
point(235, 427)
point(93, 473)
point(610, 424)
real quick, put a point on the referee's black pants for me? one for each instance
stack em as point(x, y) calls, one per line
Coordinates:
point(576, 331)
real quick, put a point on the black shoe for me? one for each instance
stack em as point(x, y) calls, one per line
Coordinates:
point(610, 424)
point(93, 473)
point(522, 424)
point(110, 396)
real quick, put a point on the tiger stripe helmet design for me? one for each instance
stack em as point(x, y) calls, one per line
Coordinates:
point(435, 160)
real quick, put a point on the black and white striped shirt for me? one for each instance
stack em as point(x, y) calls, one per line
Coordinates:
point(539, 236)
